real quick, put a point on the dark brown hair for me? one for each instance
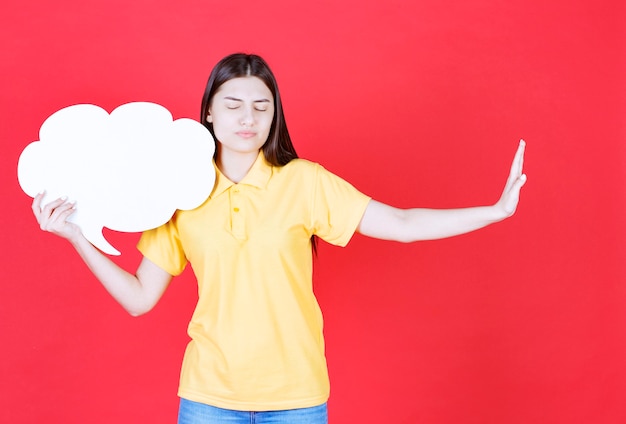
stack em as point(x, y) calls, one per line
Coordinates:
point(278, 149)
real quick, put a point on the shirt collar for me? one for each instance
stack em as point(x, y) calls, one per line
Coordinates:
point(258, 176)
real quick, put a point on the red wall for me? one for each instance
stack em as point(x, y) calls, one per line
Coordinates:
point(417, 104)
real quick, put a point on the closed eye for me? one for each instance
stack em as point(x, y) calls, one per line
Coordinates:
point(232, 104)
point(262, 105)
point(259, 105)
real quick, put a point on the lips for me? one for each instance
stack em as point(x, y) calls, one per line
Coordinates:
point(246, 134)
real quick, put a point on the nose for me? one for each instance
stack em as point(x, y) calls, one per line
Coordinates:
point(247, 117)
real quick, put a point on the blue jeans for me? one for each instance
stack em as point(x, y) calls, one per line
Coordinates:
point(198, 413)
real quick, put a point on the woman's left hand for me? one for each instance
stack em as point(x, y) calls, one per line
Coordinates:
point(510, 196)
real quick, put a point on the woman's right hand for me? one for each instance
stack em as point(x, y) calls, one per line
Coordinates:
point(53, 217)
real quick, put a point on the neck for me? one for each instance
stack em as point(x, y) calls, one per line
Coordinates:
point(235, 166)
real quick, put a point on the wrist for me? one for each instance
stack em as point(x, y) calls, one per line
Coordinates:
point(78, 240)
point(498, 213)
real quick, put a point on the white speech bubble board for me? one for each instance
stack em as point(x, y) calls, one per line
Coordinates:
point(127, 171)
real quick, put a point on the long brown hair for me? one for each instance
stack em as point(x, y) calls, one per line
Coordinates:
point(278, 149)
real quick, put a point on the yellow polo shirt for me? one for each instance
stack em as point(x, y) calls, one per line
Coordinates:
point(256, 333)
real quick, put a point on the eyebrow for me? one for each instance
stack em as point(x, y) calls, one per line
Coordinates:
point(239, 100)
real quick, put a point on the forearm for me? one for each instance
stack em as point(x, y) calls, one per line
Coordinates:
point(137, 293)
point(408, 225)
point(125, 287)
point(431, 224)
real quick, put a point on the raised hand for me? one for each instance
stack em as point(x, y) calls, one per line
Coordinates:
point(510, 196)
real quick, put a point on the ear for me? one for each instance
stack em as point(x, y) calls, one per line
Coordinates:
point(209, 118)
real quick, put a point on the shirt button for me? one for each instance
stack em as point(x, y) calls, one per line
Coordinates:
point(236, 209)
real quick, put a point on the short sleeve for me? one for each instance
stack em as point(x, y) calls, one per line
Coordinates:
point(162, 246)
point(337, 208)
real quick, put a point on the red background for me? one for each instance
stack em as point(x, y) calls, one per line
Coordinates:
point(418, 104)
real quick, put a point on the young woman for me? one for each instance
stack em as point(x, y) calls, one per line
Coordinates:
point(257, 350)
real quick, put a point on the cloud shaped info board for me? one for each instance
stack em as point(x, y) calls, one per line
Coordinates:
point(128, 171)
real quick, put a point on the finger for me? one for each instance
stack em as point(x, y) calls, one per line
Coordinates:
point(516, 166)
point(518, 160)
point(61, 212)
point(62, 218)
point(57, 221)
point(47, 216)
point(521, 151)
point(517, 185)
point(36, 206)
point(51, 206)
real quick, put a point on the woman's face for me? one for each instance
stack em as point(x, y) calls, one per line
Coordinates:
point(241, 111)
